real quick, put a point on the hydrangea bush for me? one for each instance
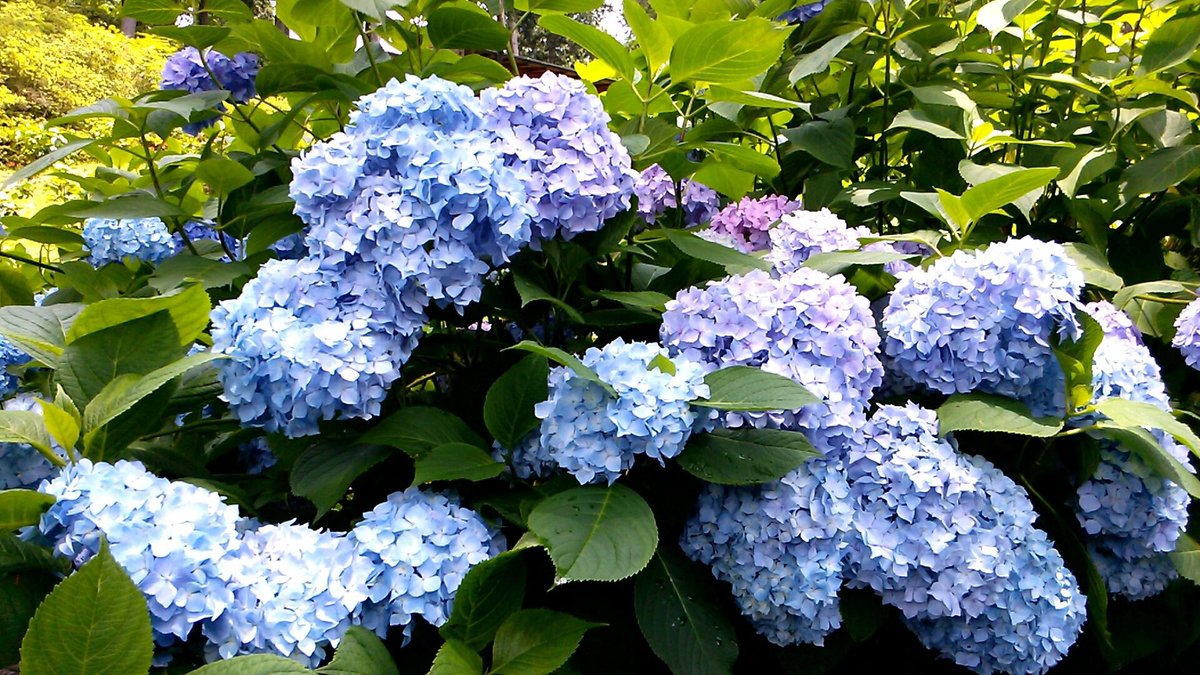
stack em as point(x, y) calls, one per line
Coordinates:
point(365, 352)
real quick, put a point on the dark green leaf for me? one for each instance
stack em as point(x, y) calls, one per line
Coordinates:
point(455, 461)
point(417, 429)
point(987, 412)
point(188, 310)
point(456, 658)
point(1076, 360)
point(702, 249)
point(18, 555)
point(1161, 170)
point(47, 160)
point(536, 642)
point(323, 472)
point(20, 508)
point(834, 262)
point(557, 6)
point(1186, 558)
point(596, 533)
point(508, 407)
point(126, 390)
point(490, 592)
point(677, 606)
point(531, 292)
point(748, 388)
point(223, 175)
point(20, 595)
point(745, 456)
point(465, 27)
point(137, 205)
point(139, 346)
point(183, 269)
point(569, 360)
point(360, 652)
point(830, 142)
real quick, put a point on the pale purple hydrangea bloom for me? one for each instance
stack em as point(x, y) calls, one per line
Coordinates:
point(109, 240)
point(1187, 334)
point(169, 537)
point(781, 547)
point(420, 546)
point(185, 71)
point(594, 436)
point(21, 465)
point(950, 541)
point(746, 224)
point(556, 137)
point(983, 321)
point(800, 234)
point(804, 325)
point(655, 192)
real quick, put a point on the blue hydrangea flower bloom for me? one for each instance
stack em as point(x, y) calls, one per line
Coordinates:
point(983, 320)
point(109, 240)
point(556, 136)
point(185, 71)
point(420, 545)
point(21, 465)
point(256, 456)
point(781, 546)
point(1187, 334)
point(803, 13)
point(655, 192)
point(1132, 515)
point(10, 355)
point(746, 224)
point(168, 536)
point(310, 344)
point(803, 233)
point(949, 540)
point(529, 460)
point(805, 325)
point(201, 230)
point(594, 436)
point(295, 591)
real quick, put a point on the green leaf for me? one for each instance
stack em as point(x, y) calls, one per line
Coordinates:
point(253, 664)
point(20, 508)
point(137, 205)
point(987, 412)
point(1138, 414)
point(20, 595)
point(639, 299)
point(1170, 44)
point(749, 388)
point(702, 249)
point(830, 142)
point(455, 461)
point(557, 6)
point(596, 533)
point(536, 642)
point(200, 37)
point(376, 9)
point(1161, 170)
point(360, 652)
point(1142, 443)
point(650, 34)
point(18, 555)
point(1004, 190)
point(95, 621)
point(24, 426)
point(677, 604)
point(126, 390)
point(324, 471)
point(921, 121)
point(1186, 558)
point(601, 45)
point(819, 59)
point(455, 658)
point(465, 27)
point(508, 407)
point(727, 51)
point(569, 360)
point(531, 292)
point(47, 160)
point(1148, 314)
point(188, 310)
point(181, 270)
point(834, 262)
point(1076, 360)
point(491, 591)
point(417, 429)
point(139, 346)
point(222, 174)
point(745, 456)
point(62, 426)
point(1096, 270)
point(996, 15)
point(40, 332)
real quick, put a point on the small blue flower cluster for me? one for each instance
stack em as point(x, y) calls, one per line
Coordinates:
point(10, 355)
point(420, 547)
point(781, 547)
point(1132, 515)
point(256, 456)
point(655, 192)
point(192, 71)
point(109, 240)
point(203, 230)
point(805, 325)
point(983, 321)
point(21, 465)
point(1187, 334)
point(745, 225)
point(594, 436)
point(800, 234)
point(803, 13)
point(251, 588)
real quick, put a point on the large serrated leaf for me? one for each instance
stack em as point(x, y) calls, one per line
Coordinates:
point(676, 602)
point(418, 429)
point(124, 392)
point(360, 652)
point(253, 664)
point(1136, 413)
point(508, 407)
point(1142, 443)
point(536, 642)
point(596, 533)
point(491, 591)
point(21, 508)
point(324, 472)
point(745, 456)
point(727, 51)
point(569, 360)
point(749, 388)
point(987, 412)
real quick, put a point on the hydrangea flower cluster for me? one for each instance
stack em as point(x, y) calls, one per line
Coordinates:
point(203, 230)
point(898, 267)
point(256, 456)
point(109, 240)
point(803, 233)
point(21, 465)
point(594, 436)
point(983, 321)
point(10, 355)
point(1187, 334)
point(949, 540)
point(1132, 515)
point(420, 547)
point(805, 325)
point(781, 547)
point(655, 192)
point(803, 13)
point(556, 136)
point(746, 224)
point(192, 71)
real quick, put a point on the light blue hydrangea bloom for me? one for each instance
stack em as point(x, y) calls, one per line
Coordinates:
point(1132, 515)
point(781, 547)
point(556, 137)
point(949, 540)
point(295, 592)
point(529, 460)
point(420, 545)
point(21, 465)
point(983, 321)
point(10, 355)
point(746, 224)
point(805, 325)
point(655, 192)
point(203, 230)
point(594, 436)
point(310, 344)
point(800, 234)
point(168, 536)
point(109, 240)
point(1187, 334)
